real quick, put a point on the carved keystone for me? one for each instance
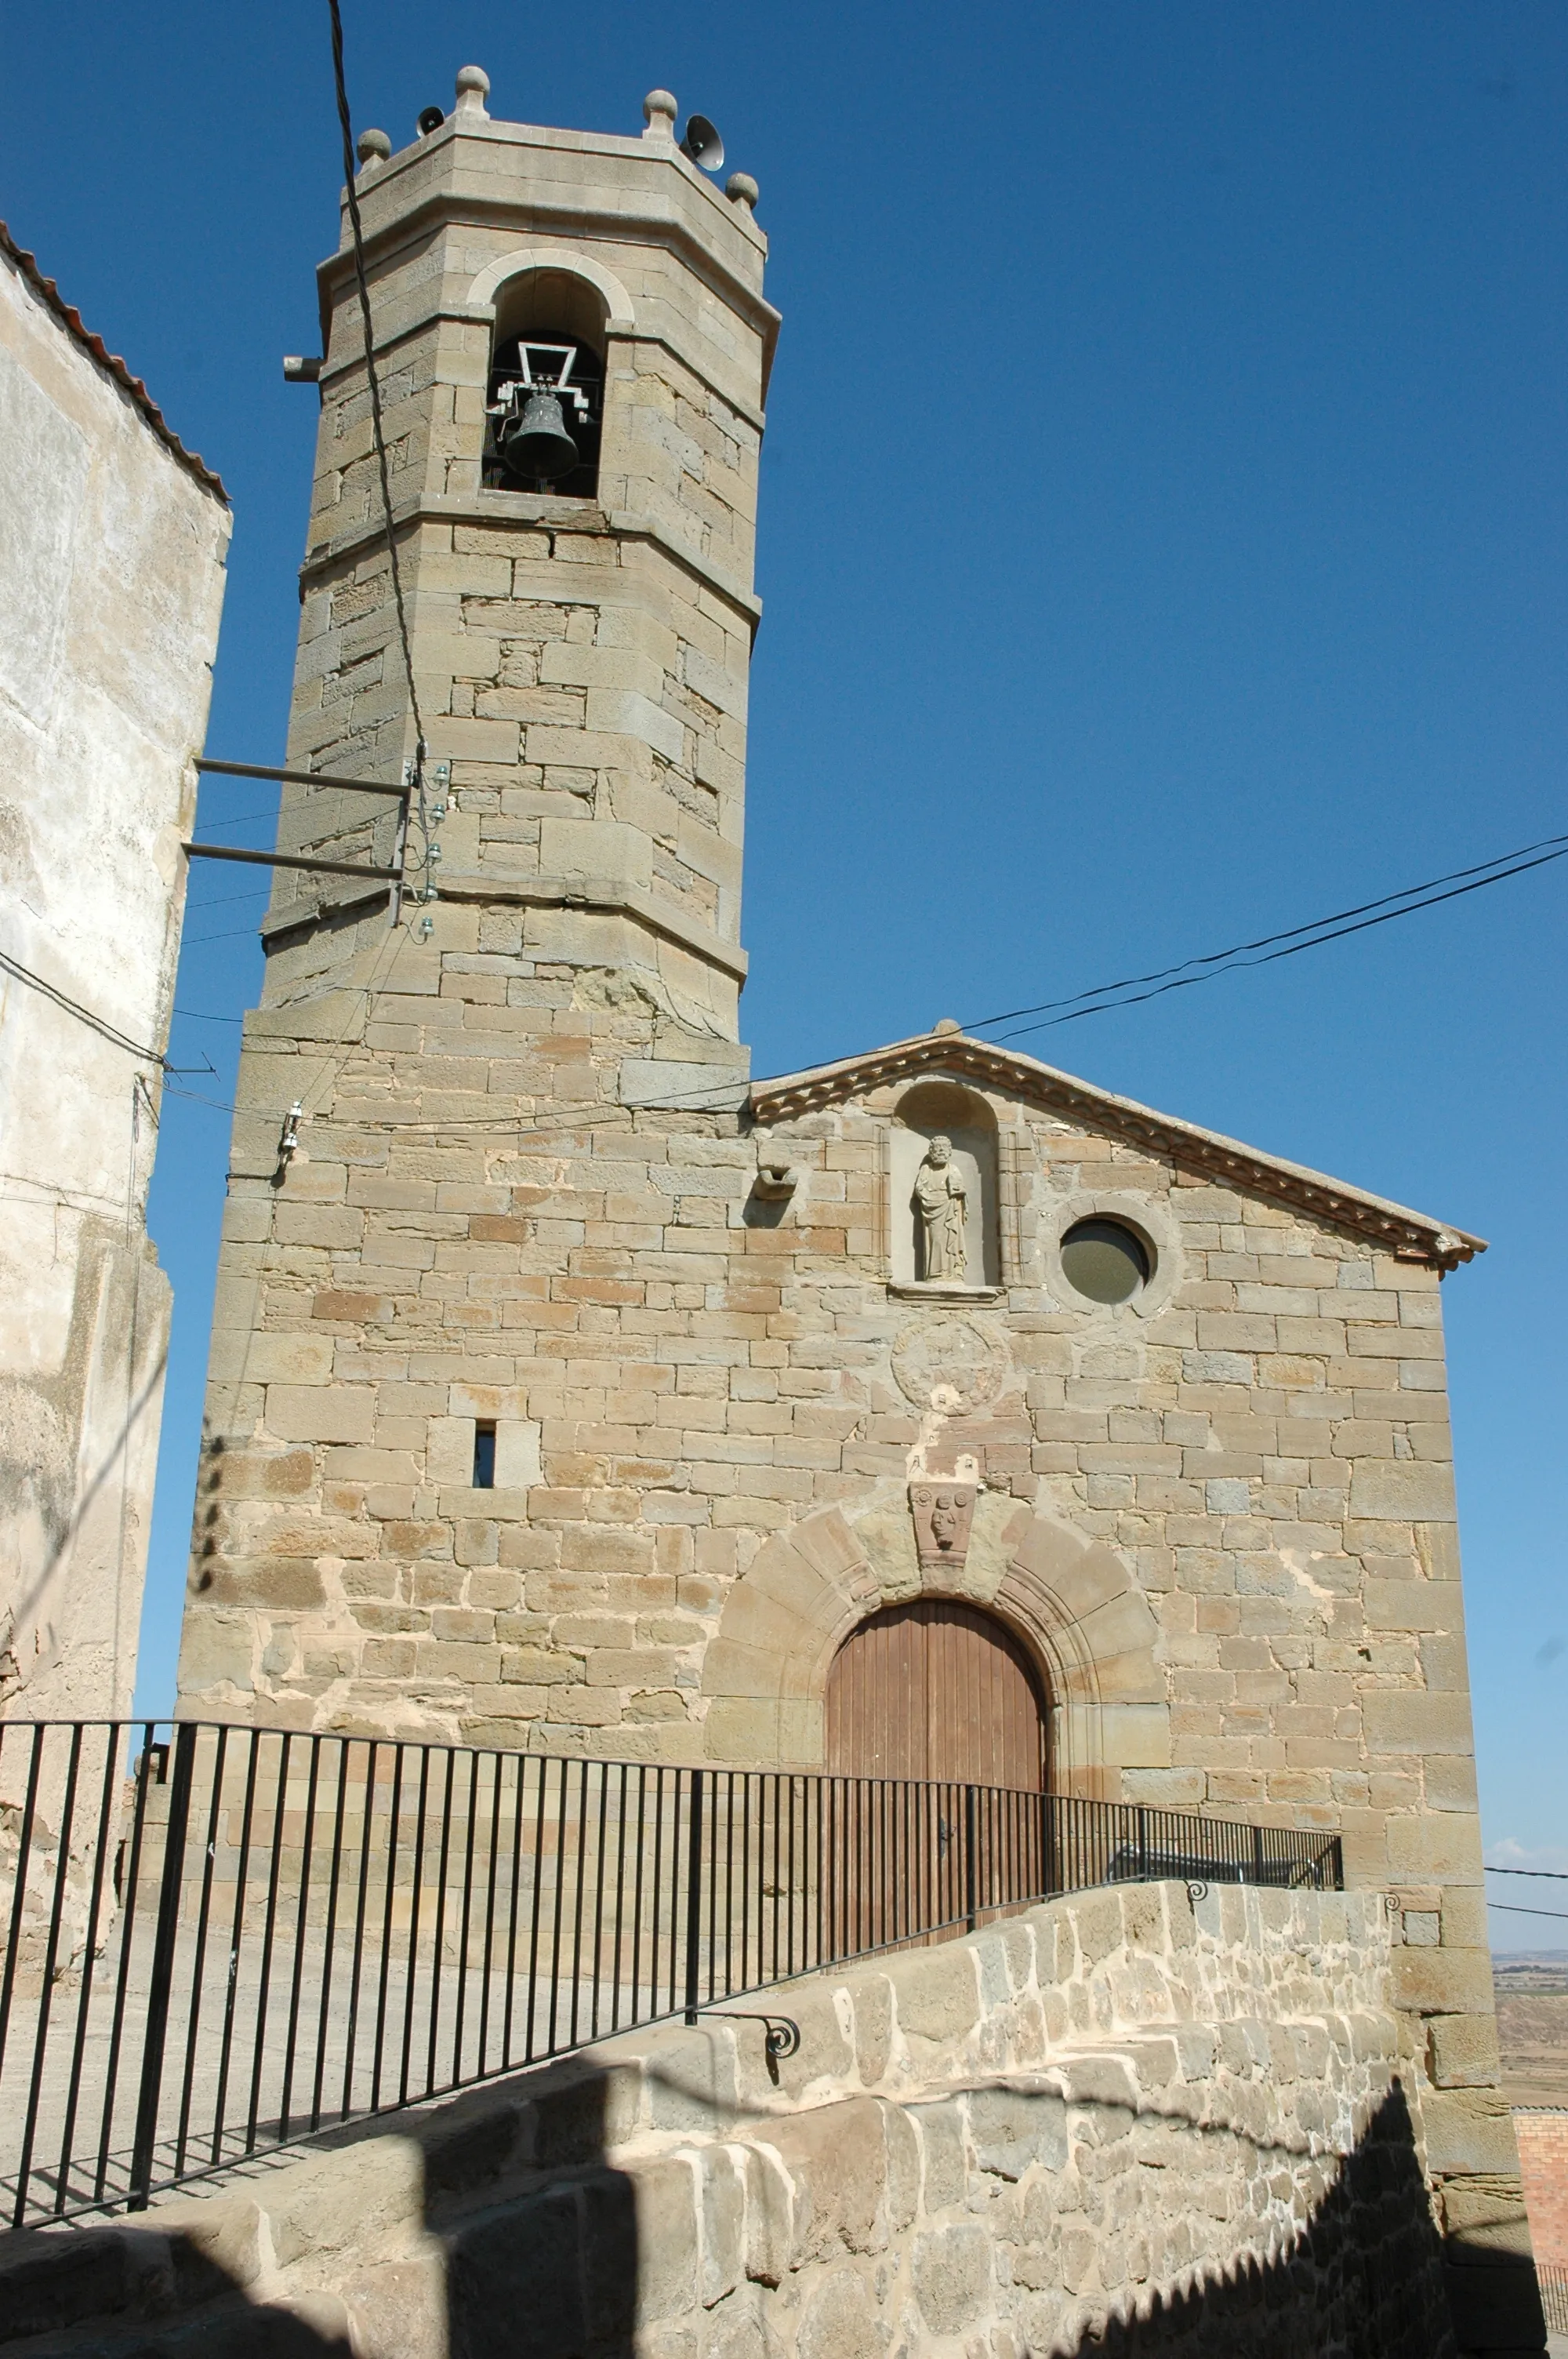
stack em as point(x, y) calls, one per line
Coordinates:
point(942, 1513)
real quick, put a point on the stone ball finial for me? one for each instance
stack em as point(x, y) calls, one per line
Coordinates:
point(946, 1024)
point(374, 148)
point(473, 87)
point(741, 190)
point(659, 112)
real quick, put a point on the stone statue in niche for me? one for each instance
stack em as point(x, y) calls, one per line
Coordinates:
point(942, 1513)
point(940, 1201)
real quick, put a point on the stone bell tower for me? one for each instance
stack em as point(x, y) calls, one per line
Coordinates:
point(579, 620)
point(581, 636)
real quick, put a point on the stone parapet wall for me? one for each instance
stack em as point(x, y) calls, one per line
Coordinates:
point(1124, 2107)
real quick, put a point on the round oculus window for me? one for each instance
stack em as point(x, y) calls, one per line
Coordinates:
point(1105, 1262)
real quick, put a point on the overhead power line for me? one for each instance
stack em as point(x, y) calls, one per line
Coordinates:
point(1511, 1909)
point(1162, 979)
point(1137, 988)
point(1556, 1875)
point(99, 1024)
point(363, 283)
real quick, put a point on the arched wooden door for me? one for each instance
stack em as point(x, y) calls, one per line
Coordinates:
point(936, 1689)
point(941, 1695)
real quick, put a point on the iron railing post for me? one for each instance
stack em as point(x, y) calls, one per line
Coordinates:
point(693, 1895)
point(859, 1865)
point(162, 1980)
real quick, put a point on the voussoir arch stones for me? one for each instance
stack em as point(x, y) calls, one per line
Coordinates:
point(522, 261)
point(1071, 1599)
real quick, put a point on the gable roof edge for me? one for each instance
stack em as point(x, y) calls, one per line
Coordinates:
point(1409, 1235)
point(70, 320)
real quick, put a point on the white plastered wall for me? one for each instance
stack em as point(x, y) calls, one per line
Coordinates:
point(111, 584)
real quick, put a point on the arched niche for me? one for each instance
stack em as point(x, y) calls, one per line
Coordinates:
point(922, 1192)
point(542, 310)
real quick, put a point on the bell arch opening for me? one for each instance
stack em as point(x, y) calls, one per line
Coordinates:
point(944, 1160)
point(937, 1689)
point(545, 394)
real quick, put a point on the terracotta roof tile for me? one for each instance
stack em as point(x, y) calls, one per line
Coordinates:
point(48, 294)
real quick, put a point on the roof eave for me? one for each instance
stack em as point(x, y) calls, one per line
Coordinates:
point(70, 320)
point(1409, 1235)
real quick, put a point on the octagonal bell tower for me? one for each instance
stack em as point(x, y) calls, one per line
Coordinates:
point(572, 349)
point(580, 636)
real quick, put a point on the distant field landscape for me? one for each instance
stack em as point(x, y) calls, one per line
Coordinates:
point(1533, 2025)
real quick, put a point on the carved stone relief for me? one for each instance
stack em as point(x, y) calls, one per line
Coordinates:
point(942, 1513)
point(943, 1189)
point(940, 1198)
point(952, 1357)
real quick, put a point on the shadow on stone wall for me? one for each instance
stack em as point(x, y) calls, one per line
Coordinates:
point(1367, 2278)
point(571, 2262)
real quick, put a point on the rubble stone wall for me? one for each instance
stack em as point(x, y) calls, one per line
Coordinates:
point(1127, 2120)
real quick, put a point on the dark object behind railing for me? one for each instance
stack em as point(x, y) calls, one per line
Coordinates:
point(218, 1939)
point(1553, 2284)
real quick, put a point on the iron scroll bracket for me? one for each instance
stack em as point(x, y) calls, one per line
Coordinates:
point(782, 2035)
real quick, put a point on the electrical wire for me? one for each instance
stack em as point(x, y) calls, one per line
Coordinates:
point(238, 818)
point(1511, 1909)
point(172, 1090)
point(1555, 1875)
point(1492, 871)
point(588, 1114)
point(1329, 928)
point(74, 1007)
point(222, 900)
point(361, 281)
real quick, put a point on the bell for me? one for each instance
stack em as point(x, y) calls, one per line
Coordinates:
point(536, 444)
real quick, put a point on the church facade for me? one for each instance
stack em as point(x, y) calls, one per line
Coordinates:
point(927, 1412)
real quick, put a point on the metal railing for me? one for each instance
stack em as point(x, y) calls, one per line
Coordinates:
point(219, 1939)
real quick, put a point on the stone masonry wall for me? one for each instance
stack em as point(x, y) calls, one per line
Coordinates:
point(700, 1424)
point(1124, 2107)
point(1220, 1516)
point(582, 663)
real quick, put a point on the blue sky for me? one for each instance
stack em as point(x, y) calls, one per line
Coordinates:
point(1162, 540)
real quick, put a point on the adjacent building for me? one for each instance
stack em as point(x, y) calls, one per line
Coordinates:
point(112, 539)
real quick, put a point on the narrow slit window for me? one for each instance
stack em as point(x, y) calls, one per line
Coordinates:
point(485, 1457)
